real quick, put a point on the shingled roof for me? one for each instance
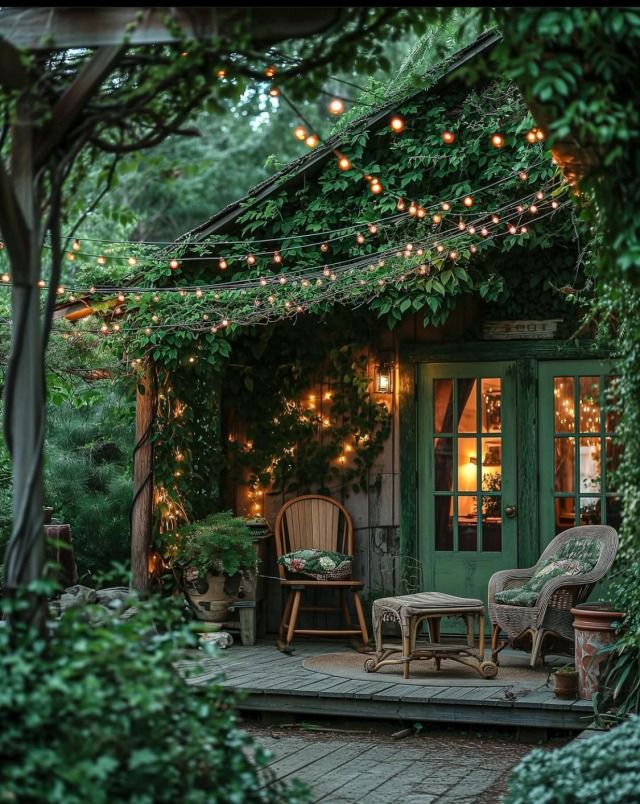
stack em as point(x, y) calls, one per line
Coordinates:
point(310, 164)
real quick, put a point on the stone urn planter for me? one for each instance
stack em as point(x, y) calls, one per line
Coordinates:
point(211, 596)
point(595, 627)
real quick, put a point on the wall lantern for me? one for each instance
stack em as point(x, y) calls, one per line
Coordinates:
point(384, 377)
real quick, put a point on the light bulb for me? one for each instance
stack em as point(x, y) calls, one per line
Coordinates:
point(484, 231)
point(277, 258)
point(523, 175)
point(324, 248)
point(497, 140)
point(132, 261)
point(251, 259)
point(312, 140)
point(373, 228)
point(495, 219)
point(467, 201)
point(221, 73)
point(222, 265)
point(375, 187)
point(437, 218)
point(400, 205)
point(448, 137)
point(174, 264)
point(336, 106)
point(412, 209)
point(300, 133)
point(270, 71)
point(533, 209)
point(76, 245)
point(344, 163)
point(396, 124)
point(360, 238)
point(101, 260)
point(421, 213)
point(274, 92)
point(530, 136)
point(446, 206)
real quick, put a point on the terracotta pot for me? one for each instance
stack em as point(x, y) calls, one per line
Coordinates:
point(212, 596)
point(594, 627)
point(565, 685)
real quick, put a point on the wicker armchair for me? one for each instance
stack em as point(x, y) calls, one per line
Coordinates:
point(551, 613)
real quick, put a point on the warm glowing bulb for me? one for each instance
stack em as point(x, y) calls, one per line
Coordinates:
point(104, 328)
point(375, 187)
point(554, 205)
point(60, 290)
point(484, 231)
point(400, 205)
point(497, 140)
point(174, 264)
point(472, 230)
point(101, 260)
point(413, 209)
point(121, 297)
point(336, 106)
point(116, 327)
point(324, 248)
point(539, 134)
point(6, 278)
point(437, 218)
point(221, 73)
point(453, 255)
point(373, 228)
point(251, 259)
point(446, 206)
point(344, 163)
point(530, 136)
point(495, 219)
point(300, 133)
point(274, 92)
point(448, 137)
point(132, 261)
point(523, 175)
point(43, 284)
point(312, 140)
point(270, 71)
point(462, 226)
point(396, 124)
point(533, 209)
point(467, 201)
point(222, 265)
point(360, 238)
point(421, 213)
point(76, 245)
point(512, 229)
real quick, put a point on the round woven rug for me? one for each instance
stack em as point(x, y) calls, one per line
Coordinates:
point(513, 670)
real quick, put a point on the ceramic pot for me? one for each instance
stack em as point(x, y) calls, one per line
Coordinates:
point(212, 596)
point(594, 625)
point(565, 685)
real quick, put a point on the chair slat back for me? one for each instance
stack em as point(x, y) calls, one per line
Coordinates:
point(313, 521)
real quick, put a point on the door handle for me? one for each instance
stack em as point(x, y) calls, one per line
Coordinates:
point(510, 511)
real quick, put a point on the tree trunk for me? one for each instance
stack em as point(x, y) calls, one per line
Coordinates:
point(141, 508)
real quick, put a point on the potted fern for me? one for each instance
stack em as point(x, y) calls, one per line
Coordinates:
point(211, 556)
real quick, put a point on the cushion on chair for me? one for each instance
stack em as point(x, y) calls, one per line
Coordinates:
point(574, 557)
point(318, 564)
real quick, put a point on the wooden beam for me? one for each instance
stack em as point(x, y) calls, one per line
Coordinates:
point(142, 506)
point(51, 28)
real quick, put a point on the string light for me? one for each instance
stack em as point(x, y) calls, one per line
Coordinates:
point(223, 264)
point(344, 163)
point(396, 124)
point(375, 187)
point(436, 218)
point(312, 140)
point(274, 92)
point(467, 201)
point(448, 137)
point(76, 245)
point(174, 265)
point(270, 71)
point(497, 140)
point(336, 106)
point(300, 133)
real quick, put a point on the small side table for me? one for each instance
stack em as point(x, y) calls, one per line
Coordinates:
point(409, 611)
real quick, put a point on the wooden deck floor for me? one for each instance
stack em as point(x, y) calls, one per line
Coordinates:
point(272, 681)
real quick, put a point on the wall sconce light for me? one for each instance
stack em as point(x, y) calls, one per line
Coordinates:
point(384, 378)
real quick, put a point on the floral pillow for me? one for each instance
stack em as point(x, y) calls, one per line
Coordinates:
point(575, 557)
point(319, 564)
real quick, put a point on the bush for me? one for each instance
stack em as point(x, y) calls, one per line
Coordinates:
point(99, 714)
point(604, 768)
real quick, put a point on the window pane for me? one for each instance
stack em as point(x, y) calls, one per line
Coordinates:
point(564, 464)
point(612, 417)
point(614, 453)
point(443, 464)
point(490, 396)
point(491, 524)
point(443, 406)
point(467, 407)
point(467, 464)
point(491, 464)
point(589, 404)
point(444, 523)
point(614, 512)
point(564, 404)
point(565, 513)
point(590, 469)
point(590, 511)
point(467, 524)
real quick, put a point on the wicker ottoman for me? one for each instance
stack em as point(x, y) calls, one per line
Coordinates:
point(409, 611)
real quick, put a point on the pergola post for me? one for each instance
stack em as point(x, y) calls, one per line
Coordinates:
point(142, 506)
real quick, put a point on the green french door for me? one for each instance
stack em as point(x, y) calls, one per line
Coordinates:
point(466, 475)
point(579, 451)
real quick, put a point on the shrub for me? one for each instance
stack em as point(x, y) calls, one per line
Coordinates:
point(604, 768)
point(99, 714)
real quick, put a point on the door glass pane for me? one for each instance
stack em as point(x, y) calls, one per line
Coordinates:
point(612, 416)
point(444, 523)
point(564, 472)
point(467, 524)
point(614, 453)
point(467, 464)
point(590, 470)
point(490, 396)
point(589, 404)
point(589, 510)
point(491, 524)
point(491, 464)
point(565, 513)
point(564, 404)
point(443, 406)
point(443, 464)
point(467, 407)
point(614, 512)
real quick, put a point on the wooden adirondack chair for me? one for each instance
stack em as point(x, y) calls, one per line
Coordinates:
point(316, 522)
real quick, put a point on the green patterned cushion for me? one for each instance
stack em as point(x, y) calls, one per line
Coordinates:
point(315, 562)
point(575, 557)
